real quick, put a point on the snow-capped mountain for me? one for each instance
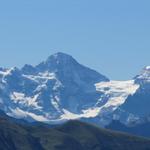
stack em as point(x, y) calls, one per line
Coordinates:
point(60, 89)
point(56, 87)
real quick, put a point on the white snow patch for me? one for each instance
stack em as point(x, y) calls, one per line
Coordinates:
point(117, 91)
point(18, 113)
point(55, 103)
point(41, 77)
point(7, 71)
point(89, 113)
point(40, 87)
point(68, 115)
point(24, 100)
point(147, 67)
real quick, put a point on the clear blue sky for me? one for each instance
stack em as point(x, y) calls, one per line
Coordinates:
point(111, 36)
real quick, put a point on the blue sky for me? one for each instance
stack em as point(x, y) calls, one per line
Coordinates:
point(111, 36)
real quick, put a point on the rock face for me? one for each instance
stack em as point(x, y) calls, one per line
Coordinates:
point(61, 89)
point(136, 110)
point(45, 92)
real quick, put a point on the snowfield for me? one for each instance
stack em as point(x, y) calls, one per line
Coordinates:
point(116, 92)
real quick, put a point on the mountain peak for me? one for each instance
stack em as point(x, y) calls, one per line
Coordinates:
point(68, 68)
point(62, 57)
point(147, 68)
point(144, 75)
point(60, 54)
point(57, 61)
point(146, 71)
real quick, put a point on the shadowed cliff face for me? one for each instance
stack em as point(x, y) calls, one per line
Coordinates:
point(136, 107)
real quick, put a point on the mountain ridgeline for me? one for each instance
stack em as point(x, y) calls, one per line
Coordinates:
point(61, 89)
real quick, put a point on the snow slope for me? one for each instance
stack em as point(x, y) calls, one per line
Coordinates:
point(115, 94)
point(117, 91)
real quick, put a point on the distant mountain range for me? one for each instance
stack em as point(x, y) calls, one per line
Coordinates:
point(139, 130)
point(61, 89)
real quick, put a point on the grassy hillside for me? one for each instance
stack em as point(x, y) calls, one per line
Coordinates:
point(73, 135)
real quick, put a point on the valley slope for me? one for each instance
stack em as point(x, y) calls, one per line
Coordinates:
point(73, 135)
